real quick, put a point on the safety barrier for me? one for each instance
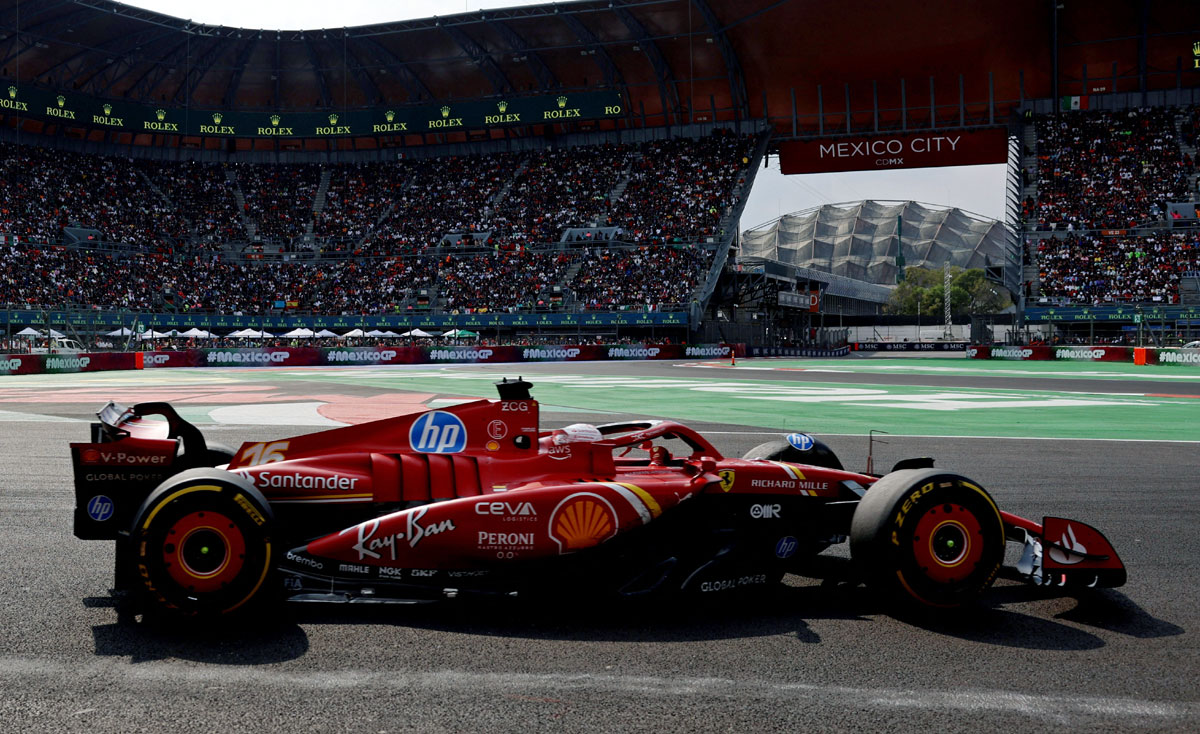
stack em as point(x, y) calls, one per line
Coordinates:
point(1137, 355)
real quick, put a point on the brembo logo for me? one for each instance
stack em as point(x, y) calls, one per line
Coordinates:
point(68, 363)
point(566, 353)
point(247, 357)
point(1012, 353)
point(456, 354)
point(363, 355)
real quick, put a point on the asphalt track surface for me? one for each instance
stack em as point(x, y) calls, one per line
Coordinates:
point(807, 657)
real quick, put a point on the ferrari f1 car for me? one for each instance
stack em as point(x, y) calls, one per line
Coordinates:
point(476, 499)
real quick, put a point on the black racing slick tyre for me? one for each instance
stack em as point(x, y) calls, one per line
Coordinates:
point(928, 536)
point(202, 544)
point(805, 450)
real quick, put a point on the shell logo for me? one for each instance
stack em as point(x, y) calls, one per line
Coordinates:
point(581, 521)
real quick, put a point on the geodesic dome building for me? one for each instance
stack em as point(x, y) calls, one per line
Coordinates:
point(859, 240)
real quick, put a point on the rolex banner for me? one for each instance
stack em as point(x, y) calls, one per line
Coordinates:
point(74, 109)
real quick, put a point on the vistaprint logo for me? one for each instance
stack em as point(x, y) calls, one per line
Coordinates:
point(247, 357)
point(68, 363)
point(363, 355)
point(451, 355)
point(1188, 357)
point(1012, 353)
point(707, 351)
point(1079, 354)
point(562, 353)
point(633, 352)
point(10, 365)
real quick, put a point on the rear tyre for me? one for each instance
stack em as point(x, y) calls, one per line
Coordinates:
point(816, 452)
point(202, 544)
point(928, 536)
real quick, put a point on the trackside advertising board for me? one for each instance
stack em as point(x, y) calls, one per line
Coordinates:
point(1137, 355)
point(40, 364)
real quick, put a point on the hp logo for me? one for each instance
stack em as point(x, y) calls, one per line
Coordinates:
point(801, 441)
point(438, 433)
point(100, 508)
point(786, 547)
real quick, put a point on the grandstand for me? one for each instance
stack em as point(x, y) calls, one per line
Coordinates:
point(578, 168)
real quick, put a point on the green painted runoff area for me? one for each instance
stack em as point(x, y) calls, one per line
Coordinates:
point(736, 397)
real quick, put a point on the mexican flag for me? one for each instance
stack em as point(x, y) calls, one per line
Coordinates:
point(1074, 103)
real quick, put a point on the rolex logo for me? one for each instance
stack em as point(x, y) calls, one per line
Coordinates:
point(160, 115)
point(562, 102)
point(333, 119)
point(390, 115)
point(12, 92)
point(217, 117)
point(445, 111)
point(503, 106)
point(274, 119)
point(61, 100)
point(107, 109)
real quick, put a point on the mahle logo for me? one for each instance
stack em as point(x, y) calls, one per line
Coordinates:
point(390, 115)
point(61, 100)
point(333, 119)
point(160, 115)
point(217, 117)
point(502, 106)
point(275, 119)
point(12, 92)
point(562, 102)
point(445, 111)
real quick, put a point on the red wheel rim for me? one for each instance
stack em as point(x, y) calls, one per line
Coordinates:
point(947, 544)
point(204, 551)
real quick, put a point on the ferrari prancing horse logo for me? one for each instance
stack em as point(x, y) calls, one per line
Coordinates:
point(726, 479)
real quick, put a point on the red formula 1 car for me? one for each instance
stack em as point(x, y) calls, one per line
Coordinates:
point(476, 499)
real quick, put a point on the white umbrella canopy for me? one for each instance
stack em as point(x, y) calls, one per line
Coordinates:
point(152, 334)
point(417, 332)
point(353, 333)
point(196, 333)
point(29, 331)
point(300, 333)
point(374, 332)
point(123, 331)
point(325, 334)
point(251, 334)
point(460, 333)
point(56, 334)
point(389, 333)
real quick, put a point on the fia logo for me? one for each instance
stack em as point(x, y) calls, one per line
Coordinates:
point(437, 432)
point(100, 508)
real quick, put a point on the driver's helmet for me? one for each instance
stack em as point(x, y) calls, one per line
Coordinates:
point(576, 433)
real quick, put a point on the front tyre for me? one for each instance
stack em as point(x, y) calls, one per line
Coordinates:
point(202, 544)
point(928, 536)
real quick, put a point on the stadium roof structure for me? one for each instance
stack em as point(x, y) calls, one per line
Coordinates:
point(809, 66)
point(859, 240)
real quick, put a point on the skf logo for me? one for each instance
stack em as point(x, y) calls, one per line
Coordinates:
point(389, 115)
point(562, 102)
point(333, 119)
point(445, 111)
point(107, 109)
point(160, 115)
point(61, 100)
point(275, 119)
point(217, 117)
point(502, 106)
point(727, 476)
point(438, 432)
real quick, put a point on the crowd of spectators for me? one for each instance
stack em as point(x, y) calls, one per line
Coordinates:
point(279, 198)
point(202, 195)
point(1103, 169)
point(358, 197)
point(1092, 268)
point(646, 277)
point(57, 277)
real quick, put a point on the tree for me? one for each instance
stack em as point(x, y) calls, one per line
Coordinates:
point(970, 292)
